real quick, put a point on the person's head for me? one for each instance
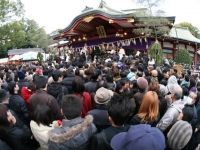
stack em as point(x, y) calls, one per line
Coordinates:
point(149, 108)
point(166, 73)
point(94, 76)
point(2, 75)
point(154, 73)
point(78, 85)
point(139, 137)
point(179, 135)
point(187, 78)
point(57, 76)
point(42, 115)
point(103, 96)
point(142, 83)
point(71, 106)
point(188, 113)
point(119, 109)
point(122, 85)
point(40, 82)
point(6, 118)
point(20, 75)
point(198, 86)
point(177, 93)
point(4, 96)
point(102, 83)
point(13, 88)
point(154, 86)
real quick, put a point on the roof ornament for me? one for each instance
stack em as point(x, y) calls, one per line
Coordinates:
point(102, 4)
point(86, 8)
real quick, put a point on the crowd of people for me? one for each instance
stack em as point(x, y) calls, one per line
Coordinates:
point(100, 103)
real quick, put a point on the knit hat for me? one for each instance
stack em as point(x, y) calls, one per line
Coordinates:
point(103, 95)
point(179, 135)
point(139, 137)
point(142, 83)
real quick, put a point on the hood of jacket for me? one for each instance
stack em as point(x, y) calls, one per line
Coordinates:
point(73, 133)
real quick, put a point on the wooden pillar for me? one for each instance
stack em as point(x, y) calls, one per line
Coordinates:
point(174, 50)
point(195, 54)
point(162, 43)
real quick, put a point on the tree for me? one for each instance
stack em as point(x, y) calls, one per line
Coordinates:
point(22, 34)
point(40, 57)
point(35, 35)
point(12, 36)
point(153, 25)
point(155, 52)
point(9, 10)
point(194, 30)
point(183, 57)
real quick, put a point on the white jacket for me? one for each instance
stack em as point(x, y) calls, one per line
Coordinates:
point(171, 115)
point(40, 132)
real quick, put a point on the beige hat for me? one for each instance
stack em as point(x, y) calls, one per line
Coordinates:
point(103, 95)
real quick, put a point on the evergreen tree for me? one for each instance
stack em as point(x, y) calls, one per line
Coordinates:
point(183, 57)
point(155, 52)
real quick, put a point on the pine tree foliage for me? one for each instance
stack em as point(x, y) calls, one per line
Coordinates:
point(155, 52)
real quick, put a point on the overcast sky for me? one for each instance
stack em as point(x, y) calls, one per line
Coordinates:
point(57, 14)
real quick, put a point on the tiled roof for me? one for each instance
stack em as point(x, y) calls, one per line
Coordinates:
point(183, 34)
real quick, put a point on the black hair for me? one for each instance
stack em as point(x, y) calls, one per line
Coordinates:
point(185, 91)
point(42, 115)
point(188, 113)
point(11, 87)
point(189, 72)
point(40, 82)
point(71, 106)
point(78, 85)
point(119, 109)
point(120, 84)
point(95, 76)
point(3, 115)
point(187, 78)
point(192, 83)
point(56, 75)
point(178, 96)
point(109, 78)
point(165, 70)
point(77, 72)
point(102, 83)
point(124, 73)
point(141, 67)
point(139, 74)
point(1, 75)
